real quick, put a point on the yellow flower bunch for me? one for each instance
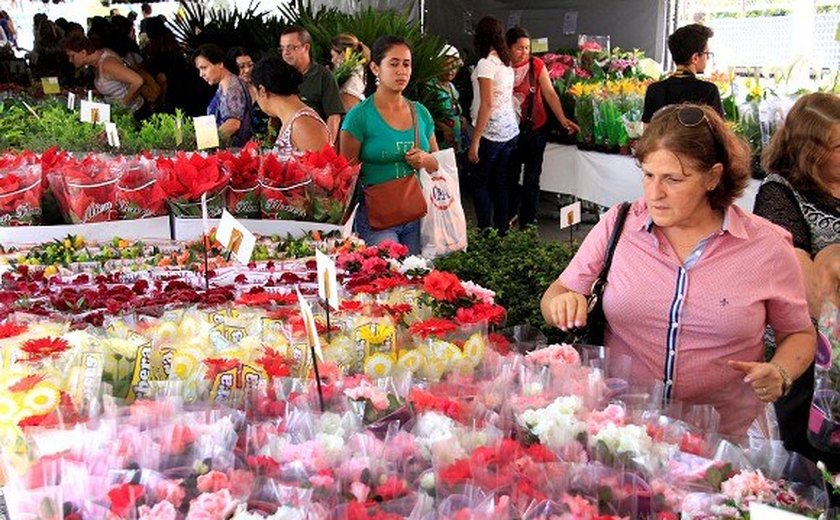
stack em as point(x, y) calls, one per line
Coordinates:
point(755, 91)
point(580, 89)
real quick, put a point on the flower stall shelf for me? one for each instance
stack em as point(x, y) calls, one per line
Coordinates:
point(191, 228)
point(149, 228)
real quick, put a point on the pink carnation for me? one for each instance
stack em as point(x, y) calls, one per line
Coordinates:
point(359, 491)
point(365, 390)
point(561, 354)
point(322, 480)
point(212, 482)
point(749, 486)
point(161, 511)
point(479, 293)
point(612, 414)
point(212, 506)
point(170, 491)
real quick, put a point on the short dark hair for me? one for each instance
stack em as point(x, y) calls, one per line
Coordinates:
point(688, 41)
point(78, 43)
point(703, 145)
point(276, 76)
point(514, 34)
point(210, 52)
point(146, 8)
point(302, 33)
point(489, 36)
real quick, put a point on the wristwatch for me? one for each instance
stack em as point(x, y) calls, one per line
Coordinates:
point(787, 382)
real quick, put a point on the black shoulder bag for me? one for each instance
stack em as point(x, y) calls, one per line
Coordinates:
point(596, 321)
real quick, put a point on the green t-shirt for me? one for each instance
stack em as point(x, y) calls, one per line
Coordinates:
point(383, 148)
point(320, 91)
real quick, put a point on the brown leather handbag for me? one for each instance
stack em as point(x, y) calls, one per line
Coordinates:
point(398, 201)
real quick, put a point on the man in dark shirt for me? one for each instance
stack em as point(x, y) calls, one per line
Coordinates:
point(146, 9)
point(319, 89)
point(689, 48)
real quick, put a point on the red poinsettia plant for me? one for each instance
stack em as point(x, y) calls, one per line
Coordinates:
point(139, 195)
point(243, 195)
point(20, 189)
point(333, 182)
point(185, 178)
point(86, 189)
point(284, 195)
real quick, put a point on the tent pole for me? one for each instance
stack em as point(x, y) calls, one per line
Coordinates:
point(422, 7)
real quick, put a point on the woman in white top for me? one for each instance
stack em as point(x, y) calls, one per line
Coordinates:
point(352, 86)
point(496, 128)
point(114, 79)
point(277, 83)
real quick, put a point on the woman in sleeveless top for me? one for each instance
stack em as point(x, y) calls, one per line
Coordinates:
point(802, 195)
point(231, 105)
point(114, 80)
point(277, 85)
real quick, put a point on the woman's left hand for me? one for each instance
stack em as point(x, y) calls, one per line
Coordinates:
point(570, 126)
point(415, 158)
point(765, 379)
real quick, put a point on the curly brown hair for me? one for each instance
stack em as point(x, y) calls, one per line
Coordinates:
point(703, 143)
point(799, 148)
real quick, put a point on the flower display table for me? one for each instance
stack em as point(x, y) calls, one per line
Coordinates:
point(605, 179)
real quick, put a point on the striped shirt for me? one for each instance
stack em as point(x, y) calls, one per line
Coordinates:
point(680, 322)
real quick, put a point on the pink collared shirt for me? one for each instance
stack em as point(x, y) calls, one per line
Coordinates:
point(680, 323)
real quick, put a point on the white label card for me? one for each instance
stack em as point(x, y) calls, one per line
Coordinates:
point(71, 101)
point(206, 132)
point(312, 338)
point(347, 228)
point(236, 238)
point(570, 215)
point(113, 134)
point(327, 281)
point(95, 112)
point(570, 19)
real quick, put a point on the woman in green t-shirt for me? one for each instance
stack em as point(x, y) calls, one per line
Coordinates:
point(379, 133)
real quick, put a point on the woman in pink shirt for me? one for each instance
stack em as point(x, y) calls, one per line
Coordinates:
point(695, 279)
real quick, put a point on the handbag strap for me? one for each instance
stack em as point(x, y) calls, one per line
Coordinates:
point(601, 280)
point(532, 89)
point(413, 109)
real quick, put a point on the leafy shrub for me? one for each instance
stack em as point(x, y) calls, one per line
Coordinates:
point(519, 267)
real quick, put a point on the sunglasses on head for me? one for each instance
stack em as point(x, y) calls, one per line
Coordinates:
point(691, 116)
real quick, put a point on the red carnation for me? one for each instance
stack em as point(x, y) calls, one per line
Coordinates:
point(11, 329)
point(216, 366)
point(123, 498)
point(443, 286)
point(273, 363)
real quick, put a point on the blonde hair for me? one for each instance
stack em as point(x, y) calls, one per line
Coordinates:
point(344, 41)
point(799, 148)
point(703, 144)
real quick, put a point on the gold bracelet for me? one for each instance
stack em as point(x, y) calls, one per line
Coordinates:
point(787, 381)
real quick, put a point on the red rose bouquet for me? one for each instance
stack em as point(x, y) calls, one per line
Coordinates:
point(138, 193)
point(333, 182)
point(86, 189)
point(185, 178)
point(243, 194)
point(284, 195)
point(20, 190)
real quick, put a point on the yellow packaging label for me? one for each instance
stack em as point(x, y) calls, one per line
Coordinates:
point(223, 386)
point(234, 334)
point(162, 363)
point(252, 377)
point(299, 354)
point(142, 375)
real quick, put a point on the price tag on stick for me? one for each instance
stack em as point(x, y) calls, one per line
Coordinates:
point(327, 280)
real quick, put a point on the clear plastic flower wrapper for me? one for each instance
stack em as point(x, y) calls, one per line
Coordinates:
point(243, 194)
point(20, 189)
point(824, 421)
point(86, 189)
point(185, 178)
point(333, 182)
point(284, 194)
point(138, 193)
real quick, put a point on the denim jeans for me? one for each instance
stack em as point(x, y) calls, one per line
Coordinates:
point(525, 198)
point(490, 185)
point(405, 234)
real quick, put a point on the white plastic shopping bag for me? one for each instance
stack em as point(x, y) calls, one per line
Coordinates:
point(444, 228)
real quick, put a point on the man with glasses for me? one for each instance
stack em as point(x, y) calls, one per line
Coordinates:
point(319, 89)
point(689, 48)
